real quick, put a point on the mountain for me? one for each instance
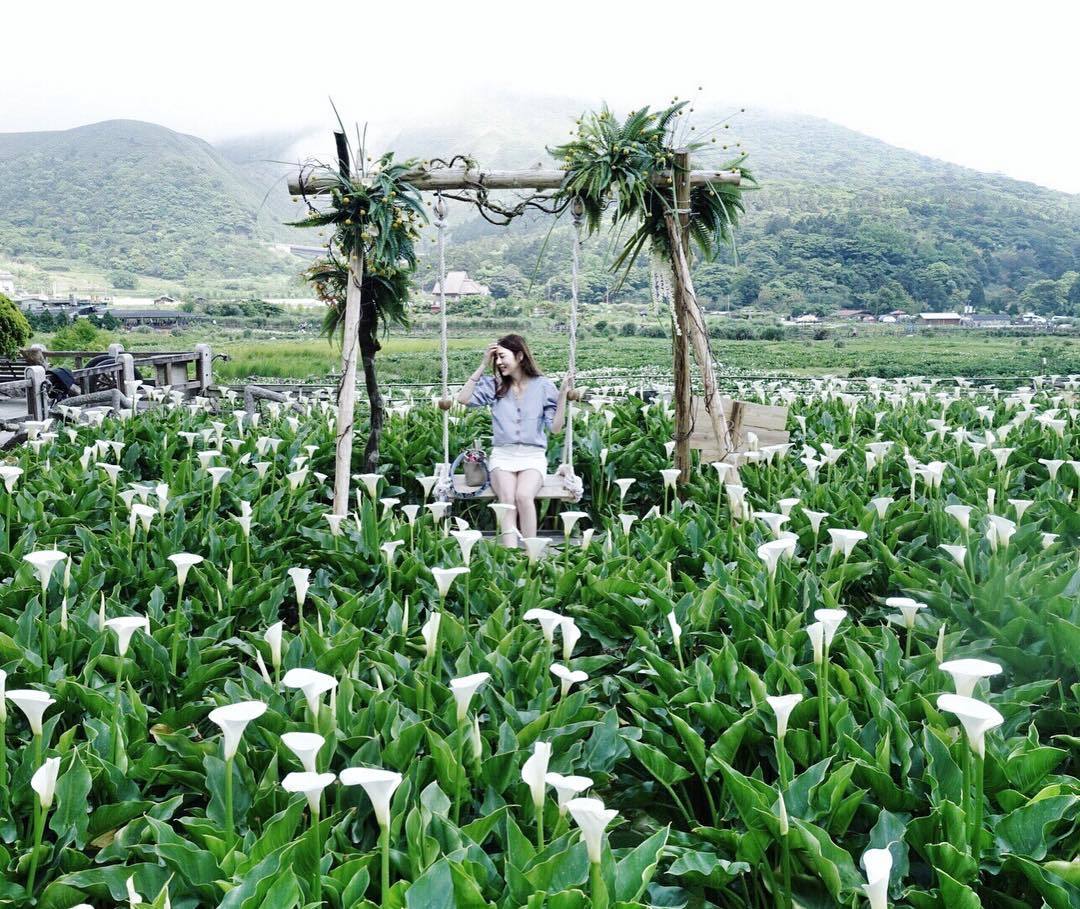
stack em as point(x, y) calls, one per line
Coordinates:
point(133, 197)
point(840, 219)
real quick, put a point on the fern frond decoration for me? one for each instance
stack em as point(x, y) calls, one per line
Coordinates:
point(612, 166)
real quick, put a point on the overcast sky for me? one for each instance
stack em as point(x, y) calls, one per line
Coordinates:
point(990, 85)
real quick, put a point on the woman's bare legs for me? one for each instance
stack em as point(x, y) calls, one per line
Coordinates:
point(529, 483)
point(504, 485)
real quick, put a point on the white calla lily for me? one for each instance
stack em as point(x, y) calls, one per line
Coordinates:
point(44, 561)
point(466, 539)
point(548, 621)
point(184, 562)
point(907, 607)
point(534, 771)
point(593, 818)
point(976, 717)
point(233, 719)
point(379, 785)
point(444, 577)
point(33, 704)
point(571, 634)
point(43, 782)
point(567, 787)
point(845, 541)
point(310, 784)
point(878, 866)
point(782, 705)
point(463, 690)
point(273, 636)
point(567, 677)
point(967, 673)
point(125, 627)
point(305, 747)
point(312, 682)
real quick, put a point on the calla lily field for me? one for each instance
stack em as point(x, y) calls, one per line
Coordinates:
point(846, 674)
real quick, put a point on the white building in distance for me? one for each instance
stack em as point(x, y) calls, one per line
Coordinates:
point(458, 285)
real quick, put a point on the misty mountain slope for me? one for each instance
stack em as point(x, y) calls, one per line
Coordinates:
point(133, 196)
point(841, 219)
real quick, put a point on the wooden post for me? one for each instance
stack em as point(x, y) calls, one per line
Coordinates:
point(346, 403)
point(698, 335)
point(681, 369)
point(35, 392)
point(204, 360)
point(346, 409)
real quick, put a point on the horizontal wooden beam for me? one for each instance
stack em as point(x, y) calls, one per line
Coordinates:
point(319, 182)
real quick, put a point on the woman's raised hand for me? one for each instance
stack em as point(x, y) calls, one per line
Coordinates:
point(489, 354)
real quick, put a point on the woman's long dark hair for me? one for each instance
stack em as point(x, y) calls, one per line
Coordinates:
point(516, 345)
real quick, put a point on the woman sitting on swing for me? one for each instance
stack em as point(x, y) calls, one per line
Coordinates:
point(524, 406)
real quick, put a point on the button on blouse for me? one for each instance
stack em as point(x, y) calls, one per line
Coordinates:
point(513, 422)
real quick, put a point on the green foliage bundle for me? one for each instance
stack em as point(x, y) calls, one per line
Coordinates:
point(15, 330)
point(377, 215)
point(613, 163)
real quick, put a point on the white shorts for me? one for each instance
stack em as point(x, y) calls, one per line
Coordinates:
point(515, 458)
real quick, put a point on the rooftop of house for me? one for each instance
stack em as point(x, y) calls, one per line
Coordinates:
point(459, 283)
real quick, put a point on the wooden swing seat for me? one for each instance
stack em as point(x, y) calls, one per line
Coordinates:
point(766, 421)
point(553, 488)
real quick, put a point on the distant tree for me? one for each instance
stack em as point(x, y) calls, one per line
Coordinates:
point(977, 296)
point(1072, 297)
point(107, 321)
point(15, 331)
point(891, 295)
point(935, 284)
point(81, 334)
point(123, 280)
point(44, 321)
point(1044, 297)
point(746, 288)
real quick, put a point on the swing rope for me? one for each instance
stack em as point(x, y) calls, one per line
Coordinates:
point(444, 484)
point(577, 211)
point(440, 226)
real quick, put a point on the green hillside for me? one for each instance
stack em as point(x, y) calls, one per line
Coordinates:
point(127, 196)
point(841, 220)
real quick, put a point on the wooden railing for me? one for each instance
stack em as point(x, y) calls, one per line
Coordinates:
point(188, 371)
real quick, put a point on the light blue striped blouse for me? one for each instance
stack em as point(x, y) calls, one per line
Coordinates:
point(513, 422)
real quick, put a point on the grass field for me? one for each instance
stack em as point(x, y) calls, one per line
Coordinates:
point(415, 359)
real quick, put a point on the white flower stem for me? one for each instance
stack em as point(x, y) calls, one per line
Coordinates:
point(3, 767)
point(230, 824)
point(116, 713)
point(597, 887)
point(39, 829)
point(176, 627)
point(384, 896)
point(45, 631)
point(785, 862)
point(459, 770)
point(976, 827)
point(823, 703)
